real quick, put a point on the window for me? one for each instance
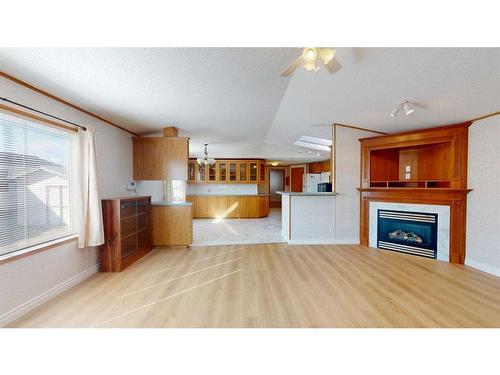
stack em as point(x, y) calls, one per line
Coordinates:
point(34, 184)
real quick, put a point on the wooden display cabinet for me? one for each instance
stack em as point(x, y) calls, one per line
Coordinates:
point(127, 232)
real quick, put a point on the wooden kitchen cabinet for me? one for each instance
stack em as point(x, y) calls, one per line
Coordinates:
point(221, 171)
point(161, 158)
point(228, 171)
point(172, 225)
point(192, 171)
point(233, 172)
point(262, 171)
point(253, 172)
point(243, 171)
point(228, 206)
point(212, 173)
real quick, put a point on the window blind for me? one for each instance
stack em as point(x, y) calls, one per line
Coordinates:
point(34, 184)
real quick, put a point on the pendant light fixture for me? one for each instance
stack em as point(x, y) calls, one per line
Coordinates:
point(205, 161)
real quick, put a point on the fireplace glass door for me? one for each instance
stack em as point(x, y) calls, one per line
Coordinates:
point(408, 232)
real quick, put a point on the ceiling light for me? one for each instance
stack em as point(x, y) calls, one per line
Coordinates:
point(317, 154)
point(300, 151)
point(274, 163)
point(312, 57)
point(205, 161)
point(408, 108)
point(309, 54)
point(405, 106)
point(395, 111)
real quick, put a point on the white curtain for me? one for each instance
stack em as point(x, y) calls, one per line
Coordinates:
point(88, 202)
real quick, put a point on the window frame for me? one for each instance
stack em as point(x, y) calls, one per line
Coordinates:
point(53, 125)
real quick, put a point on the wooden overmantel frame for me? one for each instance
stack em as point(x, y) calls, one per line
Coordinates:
point(455, 196)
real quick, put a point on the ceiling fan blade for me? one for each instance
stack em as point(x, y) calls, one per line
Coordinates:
point(293, 66)
point(333, 66)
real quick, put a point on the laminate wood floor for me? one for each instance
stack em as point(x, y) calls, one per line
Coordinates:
point(278, 285)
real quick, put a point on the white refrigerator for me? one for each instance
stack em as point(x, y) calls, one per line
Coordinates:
point(310, 182)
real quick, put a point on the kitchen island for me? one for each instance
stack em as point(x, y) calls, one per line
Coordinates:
point(229, 206)
point(308, 217)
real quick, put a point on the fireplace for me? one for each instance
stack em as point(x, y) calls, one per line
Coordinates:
point(408, 232)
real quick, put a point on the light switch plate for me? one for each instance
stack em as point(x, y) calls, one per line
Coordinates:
point(407, 176)
point(408, 168)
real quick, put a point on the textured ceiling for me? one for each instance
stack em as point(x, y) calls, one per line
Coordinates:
point(236, 100)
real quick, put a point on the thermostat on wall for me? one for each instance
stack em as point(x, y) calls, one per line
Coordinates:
point(131, 185)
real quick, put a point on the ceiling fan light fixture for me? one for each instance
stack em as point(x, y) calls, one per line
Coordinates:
point(311, 66)
point(326, 55)
point(312, 57)
point(309, 54)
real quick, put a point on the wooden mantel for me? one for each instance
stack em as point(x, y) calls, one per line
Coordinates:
point(437, 162)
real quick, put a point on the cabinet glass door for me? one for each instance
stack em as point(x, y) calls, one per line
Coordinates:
point(253, 171)
point(243, 171)
point(212, 173)
point(262, 172)
point(232, 172)
point(202, 173)
point(222, 167)
point(192, 171)
point(128, 227)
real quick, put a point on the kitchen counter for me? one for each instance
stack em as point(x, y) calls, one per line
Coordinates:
point(169, 204)
point(227, 195)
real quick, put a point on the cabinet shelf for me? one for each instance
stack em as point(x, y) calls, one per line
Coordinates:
point(423, 184)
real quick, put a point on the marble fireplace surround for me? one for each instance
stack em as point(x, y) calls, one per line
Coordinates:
point(443, 230)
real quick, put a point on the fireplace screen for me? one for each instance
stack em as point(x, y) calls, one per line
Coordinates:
point(408, 232)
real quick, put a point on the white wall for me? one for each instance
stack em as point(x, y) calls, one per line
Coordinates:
point(348, 169)
point(483, 205)
point(29, 281)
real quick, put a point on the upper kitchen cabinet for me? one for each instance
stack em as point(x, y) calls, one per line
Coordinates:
point(253, 171)
point(262, 171)
point(161, 158)
point(229, 171)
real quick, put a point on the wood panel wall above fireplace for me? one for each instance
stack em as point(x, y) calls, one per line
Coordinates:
point(424, 167)
point(430, 158)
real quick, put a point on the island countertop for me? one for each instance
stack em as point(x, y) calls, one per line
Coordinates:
point(299, 193)
point(226, 195)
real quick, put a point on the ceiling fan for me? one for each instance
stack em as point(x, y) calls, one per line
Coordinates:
point(310, 57)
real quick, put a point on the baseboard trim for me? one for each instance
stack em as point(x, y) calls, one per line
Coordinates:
point(483, 267)
point(352, 241)
point(32, 304)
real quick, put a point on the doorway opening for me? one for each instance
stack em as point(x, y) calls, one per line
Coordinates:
point(276, 183)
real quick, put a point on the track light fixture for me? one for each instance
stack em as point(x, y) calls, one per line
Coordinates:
point(405, 106)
